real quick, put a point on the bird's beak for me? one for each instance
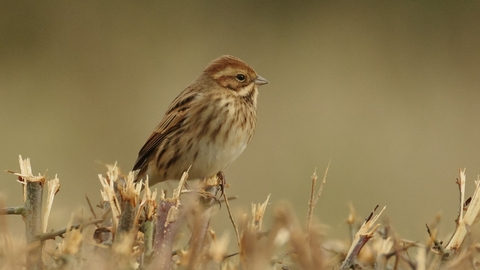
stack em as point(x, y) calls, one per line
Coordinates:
point(260, 80)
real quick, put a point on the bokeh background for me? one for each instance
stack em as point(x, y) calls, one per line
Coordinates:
point(388, 91)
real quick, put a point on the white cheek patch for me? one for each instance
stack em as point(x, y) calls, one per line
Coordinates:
point(245, 91)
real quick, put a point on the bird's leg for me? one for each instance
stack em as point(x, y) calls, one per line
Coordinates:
point(222, 183)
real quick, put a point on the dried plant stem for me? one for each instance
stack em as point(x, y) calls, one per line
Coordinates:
point(361, 238)
point(33, 223)
point(314, 198)
point(33, 191)
point(202, 222)
point(126, 220)
point(148, 232)
point(353, 253)
point(169, 220)
point(324, 180)
point(199, 234)
point(165, 234)
point(149, 206)
point(130, 193)
point(235, 227)
point(422, 258)
point(465, 220)
point(91, 207)
point(461, 188)
point(311, 201)
point(31, 212)
point(61, 232)
point(252, 255)
point(53, 186)
point(18, 210)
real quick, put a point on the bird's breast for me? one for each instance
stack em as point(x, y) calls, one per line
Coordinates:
point(224, 138)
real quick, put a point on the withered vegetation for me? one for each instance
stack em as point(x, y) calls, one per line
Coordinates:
point(136, 227)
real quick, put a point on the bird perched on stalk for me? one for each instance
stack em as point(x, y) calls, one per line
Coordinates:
point(207, 126)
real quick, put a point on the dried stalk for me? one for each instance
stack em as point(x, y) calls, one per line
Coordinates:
point(202, 221)
point(364, 234)
point(464, 220)
point(314, 198)
point(168, 222)
point(33, 191)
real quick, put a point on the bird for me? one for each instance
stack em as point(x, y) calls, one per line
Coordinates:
point(206, 127)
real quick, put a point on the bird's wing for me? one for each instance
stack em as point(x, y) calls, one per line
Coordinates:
point(172, 121)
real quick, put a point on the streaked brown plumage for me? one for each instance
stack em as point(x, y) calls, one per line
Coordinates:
point(207, 126)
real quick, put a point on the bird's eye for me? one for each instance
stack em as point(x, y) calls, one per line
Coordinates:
point(240, 77)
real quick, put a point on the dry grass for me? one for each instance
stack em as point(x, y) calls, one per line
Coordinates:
point(135, 229)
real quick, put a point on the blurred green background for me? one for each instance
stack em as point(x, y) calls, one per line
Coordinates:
point(389, 91)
